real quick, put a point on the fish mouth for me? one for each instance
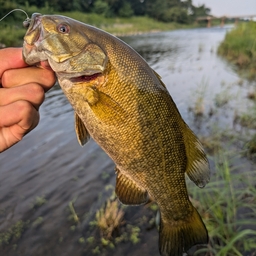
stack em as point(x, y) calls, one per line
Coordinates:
point(32, 41)
point(34, 33)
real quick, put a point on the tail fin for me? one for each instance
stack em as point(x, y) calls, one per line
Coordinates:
point(178, 237)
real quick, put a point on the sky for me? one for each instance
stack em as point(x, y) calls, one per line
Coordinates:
point(229, 7)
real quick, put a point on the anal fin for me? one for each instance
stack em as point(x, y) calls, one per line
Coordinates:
point(128, 191)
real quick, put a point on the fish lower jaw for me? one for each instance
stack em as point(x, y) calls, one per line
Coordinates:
point(33, 56)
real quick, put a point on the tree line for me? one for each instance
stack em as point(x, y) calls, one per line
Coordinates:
point(180, 11)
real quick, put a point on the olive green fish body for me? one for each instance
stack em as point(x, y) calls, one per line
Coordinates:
point(124, 106)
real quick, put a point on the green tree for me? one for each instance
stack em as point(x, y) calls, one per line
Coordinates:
point(200, 11)
point(6, 6)
point(138, 6)
point(126, 10)
point(101, 7)
point(176, 14)
point(181, 11)
point(155, 8)
point(168, 10)
point(114, 6)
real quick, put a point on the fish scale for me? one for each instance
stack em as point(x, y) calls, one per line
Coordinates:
point(124, 106)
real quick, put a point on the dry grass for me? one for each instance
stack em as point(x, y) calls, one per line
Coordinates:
point(109, 218)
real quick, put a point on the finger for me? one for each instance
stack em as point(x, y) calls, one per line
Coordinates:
point(22, 117)
point(14, 77)
point(32, 93)
point(11, 58)
point(21, 113)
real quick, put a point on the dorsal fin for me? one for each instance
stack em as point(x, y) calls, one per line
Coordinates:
point(197, 164)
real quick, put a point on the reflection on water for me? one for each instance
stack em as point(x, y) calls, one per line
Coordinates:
point(55, 103)
point(50, 164)
point(189, 66)
point(154, 48)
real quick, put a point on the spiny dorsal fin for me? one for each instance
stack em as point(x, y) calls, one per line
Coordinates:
point(128, 192)
point(81, 132)
point(197, 164)
point(160, 78)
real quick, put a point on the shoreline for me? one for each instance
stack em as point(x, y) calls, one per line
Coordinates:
point(238, 48)
point(12, 33)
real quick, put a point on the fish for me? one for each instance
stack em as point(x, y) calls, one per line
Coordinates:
point(122, 103)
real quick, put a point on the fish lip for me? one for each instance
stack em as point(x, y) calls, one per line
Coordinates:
point(35, 32)
point(32, 41)
point(35, 19)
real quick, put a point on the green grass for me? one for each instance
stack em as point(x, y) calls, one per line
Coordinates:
point(228, 203)
point(239, 47)
point(228, 207)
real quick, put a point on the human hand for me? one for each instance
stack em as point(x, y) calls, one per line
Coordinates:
point(22, 91)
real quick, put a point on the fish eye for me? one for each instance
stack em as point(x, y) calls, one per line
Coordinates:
point(63, 28)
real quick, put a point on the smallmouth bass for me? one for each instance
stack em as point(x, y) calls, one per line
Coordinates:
point(124, 106)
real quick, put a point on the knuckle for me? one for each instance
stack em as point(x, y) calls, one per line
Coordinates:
point(24, 108)
point(28, 115)
point(37, 92)
point(48, 78)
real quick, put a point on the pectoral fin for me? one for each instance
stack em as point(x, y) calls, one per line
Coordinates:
point(107, 110)
point(81, 132)
point(103, 106)
point(128, 191)
point(197, 165)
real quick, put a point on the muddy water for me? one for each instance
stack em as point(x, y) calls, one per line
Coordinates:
point(46, 172)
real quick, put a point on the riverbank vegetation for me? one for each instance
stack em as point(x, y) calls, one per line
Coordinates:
point(12, 35)
point(162, 10)
point(115, 16)
point(239, 47)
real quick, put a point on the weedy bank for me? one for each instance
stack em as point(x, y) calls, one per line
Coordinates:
point(228, 203)
point(239, 47)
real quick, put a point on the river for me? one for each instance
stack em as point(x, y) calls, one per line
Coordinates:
point(47, 179)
